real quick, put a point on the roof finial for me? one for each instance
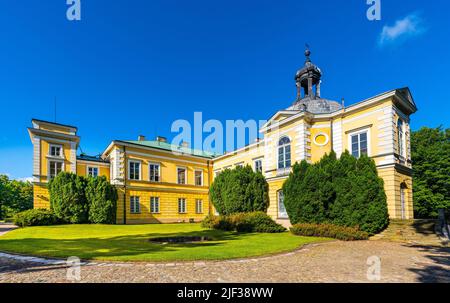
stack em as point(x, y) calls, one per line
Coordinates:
point(307, 53)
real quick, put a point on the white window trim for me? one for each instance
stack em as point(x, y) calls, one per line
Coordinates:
point(50, 151)
point(196, 171)
point(401, 145)
point(185, 205)
point(278, 146)
point(156, 199)
point(196, 206)
point(129, 169)
point(357, 132)
point(185, 175)
point(159, 172)
point(48, 166)
point(254, 164)
point(92, 166)
point(138, 204)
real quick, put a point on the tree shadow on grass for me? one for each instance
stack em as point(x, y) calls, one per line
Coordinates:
point(439, 272)
point(122, 248)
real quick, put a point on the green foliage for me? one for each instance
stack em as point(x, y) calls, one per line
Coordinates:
point(67, 198)
point(329, 231)
point(239, 190)
point(102, 200)
point(35, 217)
point(345, 192)
point(253, 222)
point(15, 196)
point(430, 152)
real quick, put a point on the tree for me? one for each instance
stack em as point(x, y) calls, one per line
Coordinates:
point(67, 198)
point(102, 200)
point(346, 192)
point(360, 198)
point(239, 190)
point(430, 151)
point(15, 196)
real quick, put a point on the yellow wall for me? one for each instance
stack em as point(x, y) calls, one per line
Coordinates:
point(45, 145)
point(82, 168)
point(41, 197)
point(168, 201)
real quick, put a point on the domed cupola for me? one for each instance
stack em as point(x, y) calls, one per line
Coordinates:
point(308, 81)
point(307, 78)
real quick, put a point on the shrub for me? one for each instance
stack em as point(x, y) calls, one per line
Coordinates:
point(209, 222)
point(101, 197)
point(35, 217)
point(67, 198)
point(329, 231)
point(345, 192)
point(239, 190)
point(258, 222)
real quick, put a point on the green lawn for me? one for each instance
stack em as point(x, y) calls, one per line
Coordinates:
point(131, 242)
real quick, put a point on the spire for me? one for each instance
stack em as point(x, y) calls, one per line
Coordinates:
point(307, 54)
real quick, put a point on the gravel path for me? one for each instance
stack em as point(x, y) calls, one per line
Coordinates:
point(326, 262)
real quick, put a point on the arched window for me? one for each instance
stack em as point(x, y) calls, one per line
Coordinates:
point(284, 153)
point(400, 138)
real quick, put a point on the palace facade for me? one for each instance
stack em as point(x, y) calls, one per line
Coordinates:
point(161, 183)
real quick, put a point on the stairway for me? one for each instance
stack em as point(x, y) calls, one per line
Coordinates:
point(419, 232)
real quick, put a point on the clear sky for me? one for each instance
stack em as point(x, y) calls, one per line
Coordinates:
point(133, 67)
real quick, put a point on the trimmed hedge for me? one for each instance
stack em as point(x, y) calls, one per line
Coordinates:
point(239, 190)
point(345, 192)
point(102, 199)
point(68, 198)
point(329, 231)
point(256, 222)
point(35, 217)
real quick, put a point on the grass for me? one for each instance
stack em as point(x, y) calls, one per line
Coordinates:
point(131, 242)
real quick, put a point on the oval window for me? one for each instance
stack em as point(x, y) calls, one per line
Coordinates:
point(321, 139)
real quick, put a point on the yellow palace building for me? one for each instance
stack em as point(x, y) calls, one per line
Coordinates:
point(161, 183)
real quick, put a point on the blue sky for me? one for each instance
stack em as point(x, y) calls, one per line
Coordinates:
point(133, 67)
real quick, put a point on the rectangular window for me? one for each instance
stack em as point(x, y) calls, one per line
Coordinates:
point(55, 150)
point(359, 144)
point(181, 172)
point(55, 167)
point(135, 207)
point(198, 177)
point(154, 172)
point(258, 166)
point(154, 205)
point(199, 206)
point(134, 170)
point(92, 171)
point(182, 205)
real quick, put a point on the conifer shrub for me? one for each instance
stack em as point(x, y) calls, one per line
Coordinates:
point(68, 199)
point(101, 197)
point(239, 190)
point(345, 192)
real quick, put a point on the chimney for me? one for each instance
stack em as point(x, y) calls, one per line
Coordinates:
point(141, 138)
point(161, 139)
